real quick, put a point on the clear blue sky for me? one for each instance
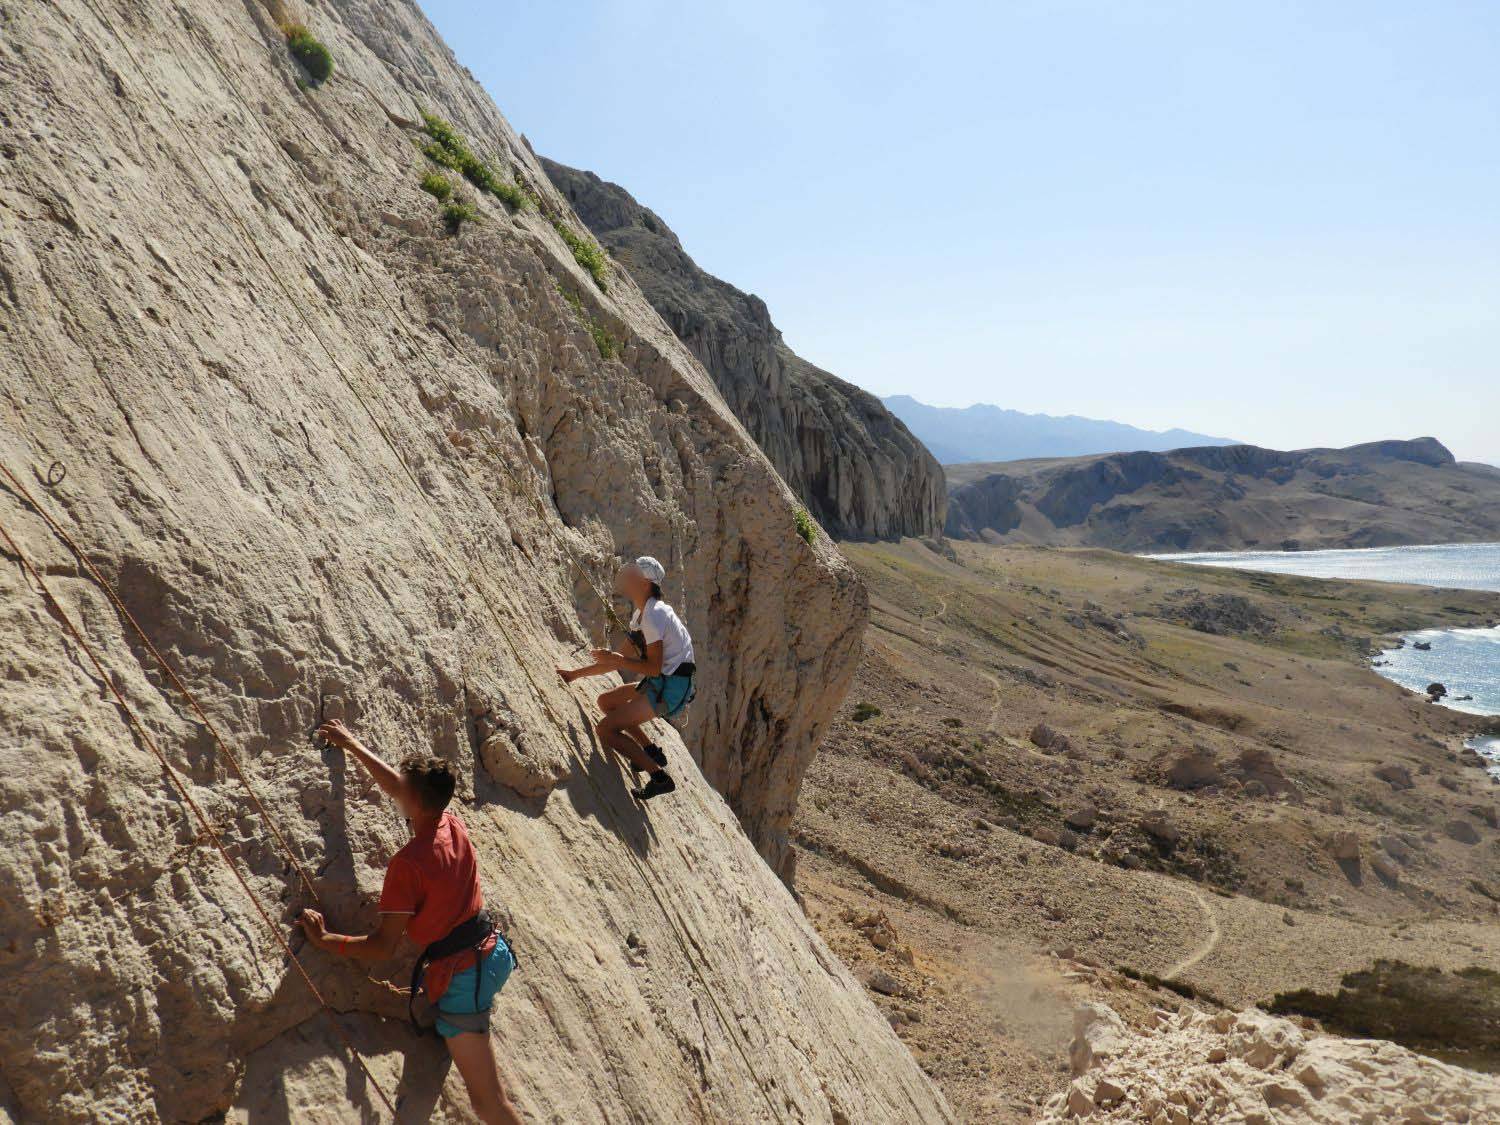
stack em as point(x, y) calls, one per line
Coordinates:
point(1275, 220)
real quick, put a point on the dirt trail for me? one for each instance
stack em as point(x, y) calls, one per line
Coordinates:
point(993, 727)
point(1214, 934)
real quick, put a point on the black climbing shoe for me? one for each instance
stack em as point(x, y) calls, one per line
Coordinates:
point(659, 782)
point(657, 755)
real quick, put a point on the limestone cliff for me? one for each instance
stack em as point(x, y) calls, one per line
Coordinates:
point(338, 456)
point(854, 463)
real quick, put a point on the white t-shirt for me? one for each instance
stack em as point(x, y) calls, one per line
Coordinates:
point(659, 622)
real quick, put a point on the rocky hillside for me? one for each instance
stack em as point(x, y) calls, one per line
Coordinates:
point(1234, 497)
point(855, 465)
point(1248, 1066)
point(345, 449)
point(1108, 771)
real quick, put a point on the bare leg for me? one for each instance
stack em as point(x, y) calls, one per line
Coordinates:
point(475, 1059)
point(617, 720)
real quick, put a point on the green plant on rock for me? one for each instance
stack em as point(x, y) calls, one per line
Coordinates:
point(456, 213)
point(586, 252)
point(447, 148)
point(863, 712)
point(310, 52)
point(805, 526)
point(608, 346)
point(437, 185)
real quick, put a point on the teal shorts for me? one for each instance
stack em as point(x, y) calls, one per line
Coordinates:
point(667, 694)
point(468, 1011)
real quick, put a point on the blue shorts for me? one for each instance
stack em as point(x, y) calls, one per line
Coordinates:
point(668, 694)
point(460, 1001)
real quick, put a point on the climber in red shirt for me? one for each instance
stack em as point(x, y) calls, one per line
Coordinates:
point(432, 895)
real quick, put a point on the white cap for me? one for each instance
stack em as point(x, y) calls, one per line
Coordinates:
point(650, 569)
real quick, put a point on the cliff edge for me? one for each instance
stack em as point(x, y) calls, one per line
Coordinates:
point(345, 451)
point(855, 465)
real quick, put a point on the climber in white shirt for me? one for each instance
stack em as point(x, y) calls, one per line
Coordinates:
point(666, 668)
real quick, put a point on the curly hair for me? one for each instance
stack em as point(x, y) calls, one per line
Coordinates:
point(432, 779)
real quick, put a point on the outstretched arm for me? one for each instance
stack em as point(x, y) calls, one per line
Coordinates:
point(595, 669)
point(362, 947)
point(337, 734)
point(611, 661)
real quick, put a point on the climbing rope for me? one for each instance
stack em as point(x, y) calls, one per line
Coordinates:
point(171, 673)
point(207, 828)
point(472, 582)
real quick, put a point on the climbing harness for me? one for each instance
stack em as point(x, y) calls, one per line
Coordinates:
point(675, 923)
point(470, 935)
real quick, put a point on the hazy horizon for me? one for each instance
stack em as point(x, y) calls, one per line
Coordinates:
point(1271, 221)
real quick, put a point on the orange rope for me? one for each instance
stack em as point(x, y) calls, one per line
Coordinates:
point(208, 829)
point(224, 750)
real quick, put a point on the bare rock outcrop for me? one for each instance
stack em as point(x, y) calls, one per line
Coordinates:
point(854, 463)
point(1252, 1067)
point(339, 458)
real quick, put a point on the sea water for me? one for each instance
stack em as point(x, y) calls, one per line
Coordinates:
point(1465, 661)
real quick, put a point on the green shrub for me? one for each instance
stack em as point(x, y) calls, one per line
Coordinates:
point(437, 185)
point(575, 302)
point(447, 148)
point(511, 195)
point(586, 252)
point(805, 526)
point(866, 711)
point(456, 213)
point(308, 51)
point(607, 345)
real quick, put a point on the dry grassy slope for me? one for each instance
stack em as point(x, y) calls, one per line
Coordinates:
point(907, 811)
point(336, 460)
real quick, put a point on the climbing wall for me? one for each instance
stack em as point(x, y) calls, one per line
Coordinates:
point(338, 459)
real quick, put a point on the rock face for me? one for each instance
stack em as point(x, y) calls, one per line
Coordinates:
point(1218, 498)
point(854, 463)
point(339, 461)
point(1249, 1066)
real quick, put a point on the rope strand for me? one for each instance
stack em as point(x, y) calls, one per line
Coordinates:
point(171, 673)
point(206, 826)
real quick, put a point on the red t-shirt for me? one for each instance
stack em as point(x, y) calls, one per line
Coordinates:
point(435, 879)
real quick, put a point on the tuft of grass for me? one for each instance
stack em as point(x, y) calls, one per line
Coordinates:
point(456, 213)
point(310, 52)
point(863, 712)
point(586, 252)
point(447, 148)
point(805, 526)
point(608, 346)
point(575, 302)
point(437, 185)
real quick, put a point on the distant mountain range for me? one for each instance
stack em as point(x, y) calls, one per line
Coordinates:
point(991, 433)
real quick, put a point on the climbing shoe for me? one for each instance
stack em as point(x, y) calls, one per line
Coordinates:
point(659, 782)
point(657, 755)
